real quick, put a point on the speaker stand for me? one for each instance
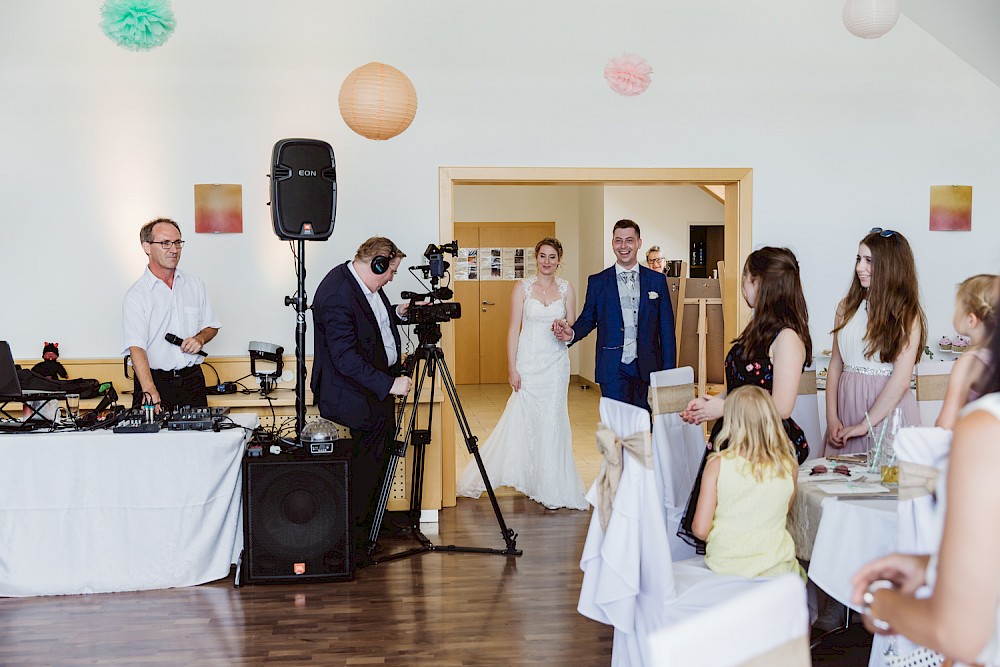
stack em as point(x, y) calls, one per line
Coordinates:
point(429, 360)
point(301, 303)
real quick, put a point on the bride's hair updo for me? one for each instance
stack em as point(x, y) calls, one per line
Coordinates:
point(552, 243)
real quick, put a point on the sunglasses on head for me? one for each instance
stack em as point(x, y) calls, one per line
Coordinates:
point(884, 233)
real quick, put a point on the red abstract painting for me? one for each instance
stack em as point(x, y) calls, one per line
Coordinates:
point(218, 209)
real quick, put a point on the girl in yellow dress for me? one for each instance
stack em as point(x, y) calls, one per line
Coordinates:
point(747, 490)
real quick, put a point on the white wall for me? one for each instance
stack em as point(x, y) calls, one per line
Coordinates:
point(664, 214)
point(842, 134)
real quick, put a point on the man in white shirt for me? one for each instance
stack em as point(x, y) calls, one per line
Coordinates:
point(166, 301)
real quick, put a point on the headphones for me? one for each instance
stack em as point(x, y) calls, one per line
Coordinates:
point(380, 263)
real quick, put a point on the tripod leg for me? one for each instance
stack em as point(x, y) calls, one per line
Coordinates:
point(509, 536)
point(397, 453)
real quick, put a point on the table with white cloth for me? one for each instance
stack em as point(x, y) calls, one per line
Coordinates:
point(838, 534)
point(93, 512)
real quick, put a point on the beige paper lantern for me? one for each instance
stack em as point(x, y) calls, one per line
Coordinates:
point(377, 101)
point(870, 19)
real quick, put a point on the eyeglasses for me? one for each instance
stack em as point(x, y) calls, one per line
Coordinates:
point(884, 233)
point(166, 244)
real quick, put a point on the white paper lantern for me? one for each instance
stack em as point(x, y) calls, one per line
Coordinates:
point(870, 19)
point(377, 101)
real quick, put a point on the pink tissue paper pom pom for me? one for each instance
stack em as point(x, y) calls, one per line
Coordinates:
point(628, 74)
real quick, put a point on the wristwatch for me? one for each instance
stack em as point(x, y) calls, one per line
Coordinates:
point(869, 597)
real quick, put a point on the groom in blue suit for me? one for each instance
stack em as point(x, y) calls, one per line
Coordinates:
point(629, 306)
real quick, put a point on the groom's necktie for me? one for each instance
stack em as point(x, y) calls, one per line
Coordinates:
point(627, 277)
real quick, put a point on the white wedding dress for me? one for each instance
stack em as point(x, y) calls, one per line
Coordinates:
point(531, 448)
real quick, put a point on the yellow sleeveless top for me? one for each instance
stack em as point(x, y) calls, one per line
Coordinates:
point(749, 535)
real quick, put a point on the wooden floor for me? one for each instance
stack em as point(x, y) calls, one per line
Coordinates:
point(435, 609)
point(429, 609)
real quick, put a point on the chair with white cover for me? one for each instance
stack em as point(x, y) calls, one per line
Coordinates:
point(921, 454)
point(626, 564)
point(932, 382)
point(767, 624)
point(805, 412)
point(678, 448)
point(629, 579)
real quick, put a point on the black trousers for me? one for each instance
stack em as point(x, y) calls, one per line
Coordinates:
point(369, 452)
point(177, 388)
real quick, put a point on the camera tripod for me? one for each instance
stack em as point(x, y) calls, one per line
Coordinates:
point(429, 360)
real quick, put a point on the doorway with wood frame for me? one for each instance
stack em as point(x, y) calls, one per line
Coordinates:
point(733, 184)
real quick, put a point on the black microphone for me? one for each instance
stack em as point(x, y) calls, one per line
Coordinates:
point(174, 339)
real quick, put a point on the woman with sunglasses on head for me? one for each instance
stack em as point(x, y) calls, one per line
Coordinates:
point(878, 335)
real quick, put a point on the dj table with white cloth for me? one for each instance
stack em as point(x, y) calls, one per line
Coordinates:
point(94, 512)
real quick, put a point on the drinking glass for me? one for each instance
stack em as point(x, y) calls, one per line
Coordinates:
point(73, 405)
point(887, 462)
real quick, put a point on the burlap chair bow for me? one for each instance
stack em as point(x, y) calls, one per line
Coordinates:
point(670, 399)
point(916, 480)
point(612, 449)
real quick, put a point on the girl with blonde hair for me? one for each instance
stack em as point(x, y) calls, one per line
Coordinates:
point(975, 305)
point(747, 490)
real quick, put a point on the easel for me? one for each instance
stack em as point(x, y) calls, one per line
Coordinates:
point(698, 297)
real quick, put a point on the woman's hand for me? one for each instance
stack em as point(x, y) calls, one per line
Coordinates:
point(833, 433)
point(515, 380)
point(906, 571)
point(703, 409)
point(856, 431)
point(687, 414)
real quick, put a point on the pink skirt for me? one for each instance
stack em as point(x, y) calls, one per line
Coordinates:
point(856, 393)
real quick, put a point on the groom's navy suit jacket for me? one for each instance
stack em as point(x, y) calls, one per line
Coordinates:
point(351, 374)
point(656, 349)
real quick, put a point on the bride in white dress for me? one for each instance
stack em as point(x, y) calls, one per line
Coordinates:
point(531, 448)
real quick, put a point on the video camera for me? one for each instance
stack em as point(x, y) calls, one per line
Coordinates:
point(434, 270)
point(436, 266)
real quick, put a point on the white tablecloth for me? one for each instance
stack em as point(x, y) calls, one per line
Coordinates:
point(851, 533)
point(102, 512)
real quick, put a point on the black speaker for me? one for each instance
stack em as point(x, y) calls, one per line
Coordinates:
point(296, 519)
point(303, 189)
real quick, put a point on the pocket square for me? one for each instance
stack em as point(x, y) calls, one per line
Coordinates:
point(654, 295)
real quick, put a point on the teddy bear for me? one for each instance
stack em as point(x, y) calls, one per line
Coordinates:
point(50, 367)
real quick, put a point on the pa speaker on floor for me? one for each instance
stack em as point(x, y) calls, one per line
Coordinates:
point(303, 189)
point(296, 513)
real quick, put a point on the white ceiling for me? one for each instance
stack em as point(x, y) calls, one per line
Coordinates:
point(969, 28)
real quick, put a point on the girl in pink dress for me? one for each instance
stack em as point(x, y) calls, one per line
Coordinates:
point(878, 335)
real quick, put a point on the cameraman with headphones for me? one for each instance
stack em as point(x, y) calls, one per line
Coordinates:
point(356, 367)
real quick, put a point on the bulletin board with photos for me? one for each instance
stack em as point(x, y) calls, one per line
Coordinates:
point(494, 263)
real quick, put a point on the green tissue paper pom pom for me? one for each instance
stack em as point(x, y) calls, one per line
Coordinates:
point(137, 25)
